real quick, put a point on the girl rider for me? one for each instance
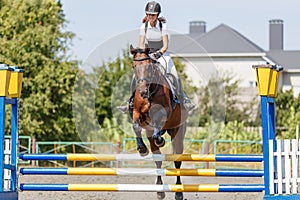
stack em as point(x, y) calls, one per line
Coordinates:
point(154, 31)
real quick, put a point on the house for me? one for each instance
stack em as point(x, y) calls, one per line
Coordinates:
point(225, 50)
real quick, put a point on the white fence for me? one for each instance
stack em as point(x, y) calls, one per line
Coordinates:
point(284, 167)
point(7, 153)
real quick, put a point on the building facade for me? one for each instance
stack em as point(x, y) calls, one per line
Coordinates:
point(225, 50)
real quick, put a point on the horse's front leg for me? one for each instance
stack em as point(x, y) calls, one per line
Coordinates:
point(157, 137)
point(141, 147)
point(158, 117)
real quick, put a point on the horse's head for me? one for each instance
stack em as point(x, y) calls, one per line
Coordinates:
point(143, 68)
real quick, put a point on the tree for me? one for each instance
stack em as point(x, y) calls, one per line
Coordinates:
point(33, 38)
point(220, 101)
point(284, 102)
point(114, 81)
point(287, 114)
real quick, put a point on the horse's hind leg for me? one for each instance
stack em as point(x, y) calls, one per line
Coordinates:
point(177, 136)
point(178, 195)
point(155, 150)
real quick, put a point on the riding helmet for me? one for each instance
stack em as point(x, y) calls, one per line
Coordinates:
point(153, 8)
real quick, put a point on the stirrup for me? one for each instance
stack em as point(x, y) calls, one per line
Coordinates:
point(188, 105)
point(124, 109)
point(129, 106)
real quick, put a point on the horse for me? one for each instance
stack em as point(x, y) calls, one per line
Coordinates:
point(153, 111)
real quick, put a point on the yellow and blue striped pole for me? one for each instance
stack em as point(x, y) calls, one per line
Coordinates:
point(150, 157)
point(141, 172)
point(145, 187)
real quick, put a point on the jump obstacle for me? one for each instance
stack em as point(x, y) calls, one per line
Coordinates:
point(274, 181)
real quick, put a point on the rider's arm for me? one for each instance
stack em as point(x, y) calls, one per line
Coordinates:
point(165, 44)
point(142, 42)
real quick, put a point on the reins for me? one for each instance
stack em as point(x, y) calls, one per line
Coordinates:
point(141, 59)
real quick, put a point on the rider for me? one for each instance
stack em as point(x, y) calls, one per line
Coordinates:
point(154, 31)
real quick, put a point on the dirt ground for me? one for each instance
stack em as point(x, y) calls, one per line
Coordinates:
point(46, 195)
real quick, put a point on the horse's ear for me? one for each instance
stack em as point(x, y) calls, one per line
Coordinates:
point(132, 50)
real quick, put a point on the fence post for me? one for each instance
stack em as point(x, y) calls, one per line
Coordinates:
point(118, 151)
point(267, 81)
point(14, 143)
point(33, 150)
point(2, 123)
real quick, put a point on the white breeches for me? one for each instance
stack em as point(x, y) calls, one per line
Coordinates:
point(167, 62)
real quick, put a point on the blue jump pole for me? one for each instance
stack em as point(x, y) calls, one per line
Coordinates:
point(12, 194)
point(267, 80)
point(14, 144)
point(8, 193)
point(124, 157)
point(265, 137)
point(2, 123)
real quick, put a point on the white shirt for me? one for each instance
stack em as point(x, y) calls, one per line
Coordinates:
point(154, 33)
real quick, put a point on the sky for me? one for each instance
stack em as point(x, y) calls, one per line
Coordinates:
point(97, 22)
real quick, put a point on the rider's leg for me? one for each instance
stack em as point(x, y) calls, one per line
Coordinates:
point(126, 108)
point(167, 62)
point(129, 102)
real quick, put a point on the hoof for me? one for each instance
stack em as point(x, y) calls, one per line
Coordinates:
point(161, 195)
point(178, 196)
point(143, 151)
point(159, 142)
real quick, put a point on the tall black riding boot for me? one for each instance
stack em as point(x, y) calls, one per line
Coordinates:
point(184, 99)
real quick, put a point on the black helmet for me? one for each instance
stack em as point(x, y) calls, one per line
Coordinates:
point(152, 8)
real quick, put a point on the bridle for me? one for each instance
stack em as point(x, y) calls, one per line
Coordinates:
point(152, 79)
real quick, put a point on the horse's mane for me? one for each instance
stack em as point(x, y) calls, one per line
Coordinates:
point(134, 51)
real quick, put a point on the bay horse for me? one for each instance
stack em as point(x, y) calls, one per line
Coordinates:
point(153, 111)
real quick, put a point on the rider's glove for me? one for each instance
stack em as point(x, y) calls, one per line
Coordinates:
point(156, 55)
